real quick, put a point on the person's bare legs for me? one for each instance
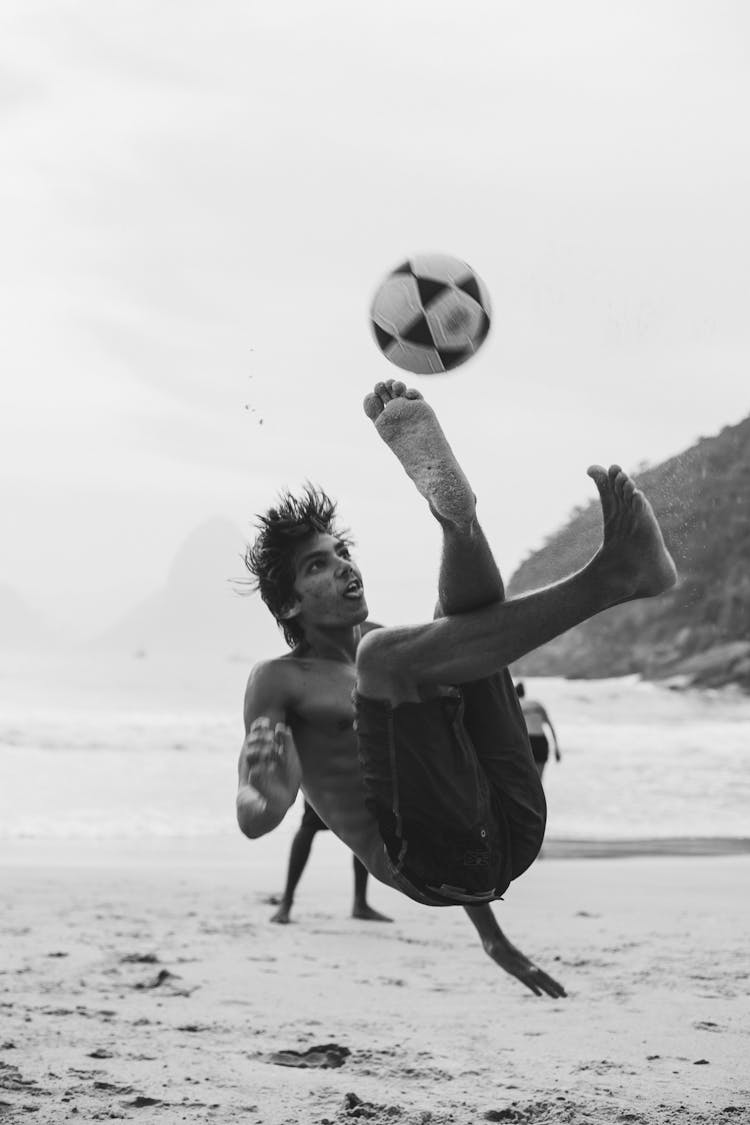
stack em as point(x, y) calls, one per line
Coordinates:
point(298, 857)
point(468, 645)
point(299, 854)
point(361, 909)
point(469, 579)
point(483, 633)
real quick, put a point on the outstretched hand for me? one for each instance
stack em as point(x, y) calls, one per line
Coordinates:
point(269, 776)
point(505, 954)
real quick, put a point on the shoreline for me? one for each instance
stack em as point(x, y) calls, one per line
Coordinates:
point(231, 850)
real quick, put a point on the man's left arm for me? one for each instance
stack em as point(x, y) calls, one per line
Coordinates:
point(508, 957)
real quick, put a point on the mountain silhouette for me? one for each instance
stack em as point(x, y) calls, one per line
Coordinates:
point(699, 632)
point(205, 606)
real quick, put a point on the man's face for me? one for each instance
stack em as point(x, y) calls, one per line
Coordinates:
point(327, 584)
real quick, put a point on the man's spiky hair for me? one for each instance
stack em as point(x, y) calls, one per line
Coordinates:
point(281, 530)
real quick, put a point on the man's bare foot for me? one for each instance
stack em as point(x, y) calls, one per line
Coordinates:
point(633, 555)
point(366, 913)
point(516, 963)
point(282, 914)
point(409, 426)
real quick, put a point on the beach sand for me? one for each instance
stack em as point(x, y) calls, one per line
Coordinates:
point(149, 984)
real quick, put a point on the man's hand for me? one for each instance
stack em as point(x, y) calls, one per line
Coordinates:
point(518, 965)
point(269, 777)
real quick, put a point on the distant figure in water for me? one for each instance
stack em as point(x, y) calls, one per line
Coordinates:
point(298, 857)
point(537, 723)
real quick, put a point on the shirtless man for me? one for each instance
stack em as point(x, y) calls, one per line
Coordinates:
point(409, 742)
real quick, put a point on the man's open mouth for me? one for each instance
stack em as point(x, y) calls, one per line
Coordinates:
point(353, 589)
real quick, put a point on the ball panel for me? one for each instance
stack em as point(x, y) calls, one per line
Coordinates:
point(455, 320)
point(484, 328)
point(396, 304)
point(419, 333)
point(476, 288)
point(451, 358)
point(440, 267)
point(383, 338)
point(412, 357)
point(429, 289)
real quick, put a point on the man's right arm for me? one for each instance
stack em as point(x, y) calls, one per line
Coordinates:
point(269, 768)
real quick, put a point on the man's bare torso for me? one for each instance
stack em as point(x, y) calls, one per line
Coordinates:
point(317, 698)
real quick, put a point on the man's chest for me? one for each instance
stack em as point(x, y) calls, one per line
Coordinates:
point(323, 700)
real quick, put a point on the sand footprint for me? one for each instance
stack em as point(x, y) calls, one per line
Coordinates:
point(325, 1055)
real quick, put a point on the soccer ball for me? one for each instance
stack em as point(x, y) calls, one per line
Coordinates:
point(430, 314)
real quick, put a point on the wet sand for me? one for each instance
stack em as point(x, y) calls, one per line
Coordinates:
point(148, 984)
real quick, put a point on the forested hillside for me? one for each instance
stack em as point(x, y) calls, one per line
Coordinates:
point(700, 630)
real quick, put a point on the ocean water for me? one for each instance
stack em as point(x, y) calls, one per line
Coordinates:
point(97, 748)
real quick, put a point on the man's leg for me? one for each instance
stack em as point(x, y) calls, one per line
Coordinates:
point(473, 643)
point(469, 577)
point(497, 946)
point(361, 909)
point(482, 633)
point(469, 580)
point(298, 857)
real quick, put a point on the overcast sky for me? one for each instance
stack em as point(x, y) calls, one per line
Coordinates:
point(197, 201)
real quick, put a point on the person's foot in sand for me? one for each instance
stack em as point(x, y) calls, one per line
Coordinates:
point(282, 915)
point(362, 911)
point(633, 561)
point(365, 913)
point(299, 855)
point(409, 426)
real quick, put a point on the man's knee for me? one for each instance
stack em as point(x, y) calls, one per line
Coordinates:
point(382, 666)
point(377, 652)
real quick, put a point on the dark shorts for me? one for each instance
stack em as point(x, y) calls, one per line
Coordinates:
point(454, 788)
point(311, 820)
point(539, 747)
